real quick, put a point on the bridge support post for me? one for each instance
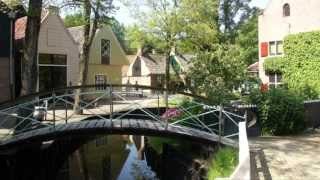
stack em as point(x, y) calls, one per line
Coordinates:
point(54, 107)
point(220, 122)
point(158, 103)
point(66, 107)
point(111, 102)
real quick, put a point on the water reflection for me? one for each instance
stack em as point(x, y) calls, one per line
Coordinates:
point(112, 157)
point(108, 157)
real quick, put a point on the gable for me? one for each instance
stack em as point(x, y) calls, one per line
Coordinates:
point(54, 35)
point(118, 56)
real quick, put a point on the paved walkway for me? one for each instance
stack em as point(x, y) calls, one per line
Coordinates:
point(286, 158)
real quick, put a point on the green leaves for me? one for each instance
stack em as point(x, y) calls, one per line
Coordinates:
point(301, 63)
point(215, 73)
point(280, 111)
point(223, 163)
point(273, 65)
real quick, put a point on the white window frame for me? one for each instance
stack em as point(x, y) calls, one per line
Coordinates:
point(276, 48)
point(105, 81)
point(51, 65)
point(276, 83)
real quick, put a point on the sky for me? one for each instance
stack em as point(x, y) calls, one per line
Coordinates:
point(123, 15)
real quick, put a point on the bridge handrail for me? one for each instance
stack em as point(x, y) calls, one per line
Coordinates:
point(43, 93)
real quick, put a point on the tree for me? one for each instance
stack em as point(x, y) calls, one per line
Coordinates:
point(30, 50)
point(247, 37)
point(94, 13)
point(219, 65)
point(201, 28)
point(232, 13)
point(76, 19)
point(162, 20)
point(215, 73)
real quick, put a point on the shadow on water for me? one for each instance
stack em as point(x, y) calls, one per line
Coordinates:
point(122, 157)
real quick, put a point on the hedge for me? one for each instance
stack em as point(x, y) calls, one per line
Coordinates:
point(301, 63)
point(273, 65)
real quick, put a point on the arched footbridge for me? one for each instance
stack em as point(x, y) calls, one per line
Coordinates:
point(115, 109)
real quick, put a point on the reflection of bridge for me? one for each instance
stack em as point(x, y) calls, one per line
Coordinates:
point(112, 109)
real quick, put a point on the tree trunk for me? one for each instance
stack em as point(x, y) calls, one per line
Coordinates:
point(30, 58)
point(166, 85)
point(30, 55)
point(84, 64)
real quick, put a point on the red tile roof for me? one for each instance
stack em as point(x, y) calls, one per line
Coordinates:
point(21, 24)
point(254, 67)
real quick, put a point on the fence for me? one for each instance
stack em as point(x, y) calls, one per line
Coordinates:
point(312, 113)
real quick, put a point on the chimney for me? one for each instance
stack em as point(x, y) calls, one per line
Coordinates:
point(53, 10)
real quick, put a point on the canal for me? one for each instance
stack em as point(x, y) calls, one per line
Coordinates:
point(111, 157)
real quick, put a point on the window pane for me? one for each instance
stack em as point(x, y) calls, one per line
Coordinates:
point(57, 59)
point(59, 77)
point(105, 51)
point(279, 78)
point(52, 77)
point(279, 48)
point(272, 48)
point(45, 59)
point(286, 10)
point(272, 78)
point(45, 81)
point(100, 80)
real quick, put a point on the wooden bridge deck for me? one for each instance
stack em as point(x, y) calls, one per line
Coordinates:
point(107, 126)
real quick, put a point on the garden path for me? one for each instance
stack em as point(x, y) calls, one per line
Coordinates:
point(286, 158)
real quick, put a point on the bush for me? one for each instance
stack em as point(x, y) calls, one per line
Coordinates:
point(273, 65)
point(223, 163)
point(280, 111)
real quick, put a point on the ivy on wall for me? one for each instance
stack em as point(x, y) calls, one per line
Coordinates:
point(273, 65)
point(301, 63)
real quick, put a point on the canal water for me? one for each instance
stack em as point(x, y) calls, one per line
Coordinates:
point(112, 157)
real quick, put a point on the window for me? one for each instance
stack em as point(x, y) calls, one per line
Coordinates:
point(105, 51)
point(100, 81)
point(275, 48)
point(52, 71)
point(137, 68)
point(272, 48)
point(286, 10)
point(275, 80)
point(279, 48)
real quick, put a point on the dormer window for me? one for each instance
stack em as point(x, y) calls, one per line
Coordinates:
point(286, 10)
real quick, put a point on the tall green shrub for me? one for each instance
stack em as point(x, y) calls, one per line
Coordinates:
point(273, 65)
point(301, 70)
point(280, 111)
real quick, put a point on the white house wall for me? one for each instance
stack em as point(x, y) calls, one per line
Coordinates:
point(54, 39)
point(304, 17)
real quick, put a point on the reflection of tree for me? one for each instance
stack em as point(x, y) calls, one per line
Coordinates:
point(106, 168)
point(83, 163)
point(140, 147)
